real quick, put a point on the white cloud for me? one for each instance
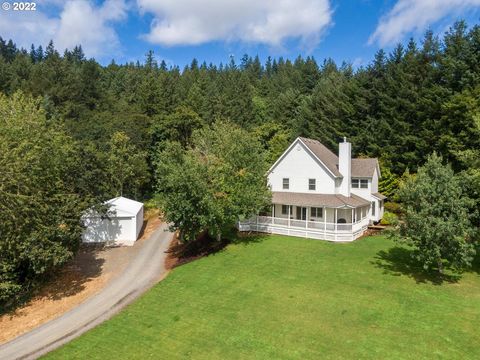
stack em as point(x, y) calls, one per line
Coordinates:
point(82, 23)
point(79, 23)
point(24, 29)
point(416, 15)
point(191, 22)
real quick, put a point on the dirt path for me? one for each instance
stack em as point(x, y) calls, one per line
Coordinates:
point(93, 268)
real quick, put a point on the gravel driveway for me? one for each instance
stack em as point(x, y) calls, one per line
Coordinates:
point(146, 269)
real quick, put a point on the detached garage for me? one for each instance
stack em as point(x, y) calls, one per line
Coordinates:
point(121, 226)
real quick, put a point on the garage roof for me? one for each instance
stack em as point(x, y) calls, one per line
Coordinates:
point(124, 207)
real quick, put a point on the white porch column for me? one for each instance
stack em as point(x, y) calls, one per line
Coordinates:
point(324, 219)
point(273, 213)
point(288, 215)
point(353, 215)
point(335, 224)
point(306, 218)
point(335, 220)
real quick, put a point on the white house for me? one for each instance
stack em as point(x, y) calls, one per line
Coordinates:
point(320, 195)
point(121, 226)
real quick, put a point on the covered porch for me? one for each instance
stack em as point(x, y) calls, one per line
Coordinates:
point(318, 216)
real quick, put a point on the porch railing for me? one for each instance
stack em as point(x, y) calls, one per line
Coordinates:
point(306, 225)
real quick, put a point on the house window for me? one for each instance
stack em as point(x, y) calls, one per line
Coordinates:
point(360, 183)
point(285, 209)
point(286, 183)
point(316, 212)
point(373, 208)
point(312, 184)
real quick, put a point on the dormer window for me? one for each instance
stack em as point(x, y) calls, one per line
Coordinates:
point(286, 183)
point(360, 183)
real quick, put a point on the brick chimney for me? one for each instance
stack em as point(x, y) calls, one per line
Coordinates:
point(345, 166)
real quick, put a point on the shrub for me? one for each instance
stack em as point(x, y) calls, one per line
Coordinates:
point(389, 218)
point(393, 207)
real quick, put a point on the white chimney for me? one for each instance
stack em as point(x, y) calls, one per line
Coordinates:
point(345, 166)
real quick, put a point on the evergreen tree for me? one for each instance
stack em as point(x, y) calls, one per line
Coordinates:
point(39, 53)
point(150, 62)
point(50, 51)
point(33, 54)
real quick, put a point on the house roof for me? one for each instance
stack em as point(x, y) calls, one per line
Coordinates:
point(308, 199)
point(360, 167)
point(323, 154)
point(379, 196)
point(124, 207)
point(364, 167)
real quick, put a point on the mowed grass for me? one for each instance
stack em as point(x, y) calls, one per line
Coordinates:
point(290, 298)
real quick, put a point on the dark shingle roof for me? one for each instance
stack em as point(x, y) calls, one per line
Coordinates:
point(379, 196)
point(363, 167)
point(360, 167)
point(307, 199)
point(324, 154)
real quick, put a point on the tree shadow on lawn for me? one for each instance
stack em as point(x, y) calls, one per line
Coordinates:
point(398, 261)
point(476, 262)
point(248, 238)
point(180, 254)
point(183, 253)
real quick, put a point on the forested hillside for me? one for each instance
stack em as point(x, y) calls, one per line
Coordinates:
point(401, 107)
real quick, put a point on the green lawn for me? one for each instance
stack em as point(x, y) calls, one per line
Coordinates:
point(291, 298)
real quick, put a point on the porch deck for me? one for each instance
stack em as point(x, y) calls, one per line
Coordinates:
point(303, 228)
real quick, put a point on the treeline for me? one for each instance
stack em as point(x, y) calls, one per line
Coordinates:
point(402, 106)
point(118, 120)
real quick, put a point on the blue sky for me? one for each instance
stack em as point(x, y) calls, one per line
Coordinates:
point(214, 30)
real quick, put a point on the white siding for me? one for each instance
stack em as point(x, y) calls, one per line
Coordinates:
point(121, 228)
point(378, 212)
point(382, 210)
point(299, 166)
point(374, 184)
point(364, 193)
point(118, 229)
point(139, 221)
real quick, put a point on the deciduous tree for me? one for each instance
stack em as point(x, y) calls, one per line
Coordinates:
point(437, 220)
point(126, 165)
point(40, 201)
point(213, 184)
